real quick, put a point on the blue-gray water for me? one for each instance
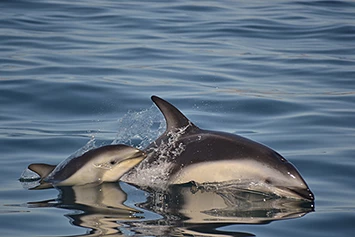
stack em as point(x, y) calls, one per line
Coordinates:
point(278, 72)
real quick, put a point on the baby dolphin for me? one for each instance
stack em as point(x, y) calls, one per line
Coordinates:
point(204, 156)
point(103, 164)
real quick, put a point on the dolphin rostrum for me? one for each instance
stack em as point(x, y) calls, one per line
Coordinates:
point(103, 164)
point(203, 156)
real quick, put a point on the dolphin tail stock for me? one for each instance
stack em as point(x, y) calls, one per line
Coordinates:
point(43, 170)
point(173, 117)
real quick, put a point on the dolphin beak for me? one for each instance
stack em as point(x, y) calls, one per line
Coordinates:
point(304, 193)
point(295, 192)
point(138, 154)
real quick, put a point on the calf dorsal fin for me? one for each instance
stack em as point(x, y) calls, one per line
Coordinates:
point(43, 170)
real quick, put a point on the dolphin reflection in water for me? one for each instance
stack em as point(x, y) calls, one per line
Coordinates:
point(112, 208)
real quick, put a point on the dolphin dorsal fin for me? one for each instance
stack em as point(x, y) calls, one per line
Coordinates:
point(173, 117)
point(43, 170)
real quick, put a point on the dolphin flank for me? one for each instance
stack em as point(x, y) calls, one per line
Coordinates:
point(211, 156)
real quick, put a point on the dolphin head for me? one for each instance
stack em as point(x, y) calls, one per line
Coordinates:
point(280, 177)
point(289, 183)
point(111, 162)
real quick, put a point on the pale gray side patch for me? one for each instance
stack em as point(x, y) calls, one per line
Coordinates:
point(223, 171)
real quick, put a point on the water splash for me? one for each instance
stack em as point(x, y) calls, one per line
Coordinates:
point(156, 173)
point(29, 176)
point(172, 148)
point(139, 129)
point(88, 146)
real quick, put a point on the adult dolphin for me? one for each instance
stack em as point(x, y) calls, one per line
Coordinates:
point(103, 164)
point(204, 156)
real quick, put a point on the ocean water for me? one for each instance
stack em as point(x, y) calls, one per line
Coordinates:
point(74, 73)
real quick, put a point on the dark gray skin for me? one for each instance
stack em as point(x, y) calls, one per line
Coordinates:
point(250, 160)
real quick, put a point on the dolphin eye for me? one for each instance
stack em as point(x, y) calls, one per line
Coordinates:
point(268, 181)
point(113, 162)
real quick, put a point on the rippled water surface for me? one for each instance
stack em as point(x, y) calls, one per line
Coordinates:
point(278, 72)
